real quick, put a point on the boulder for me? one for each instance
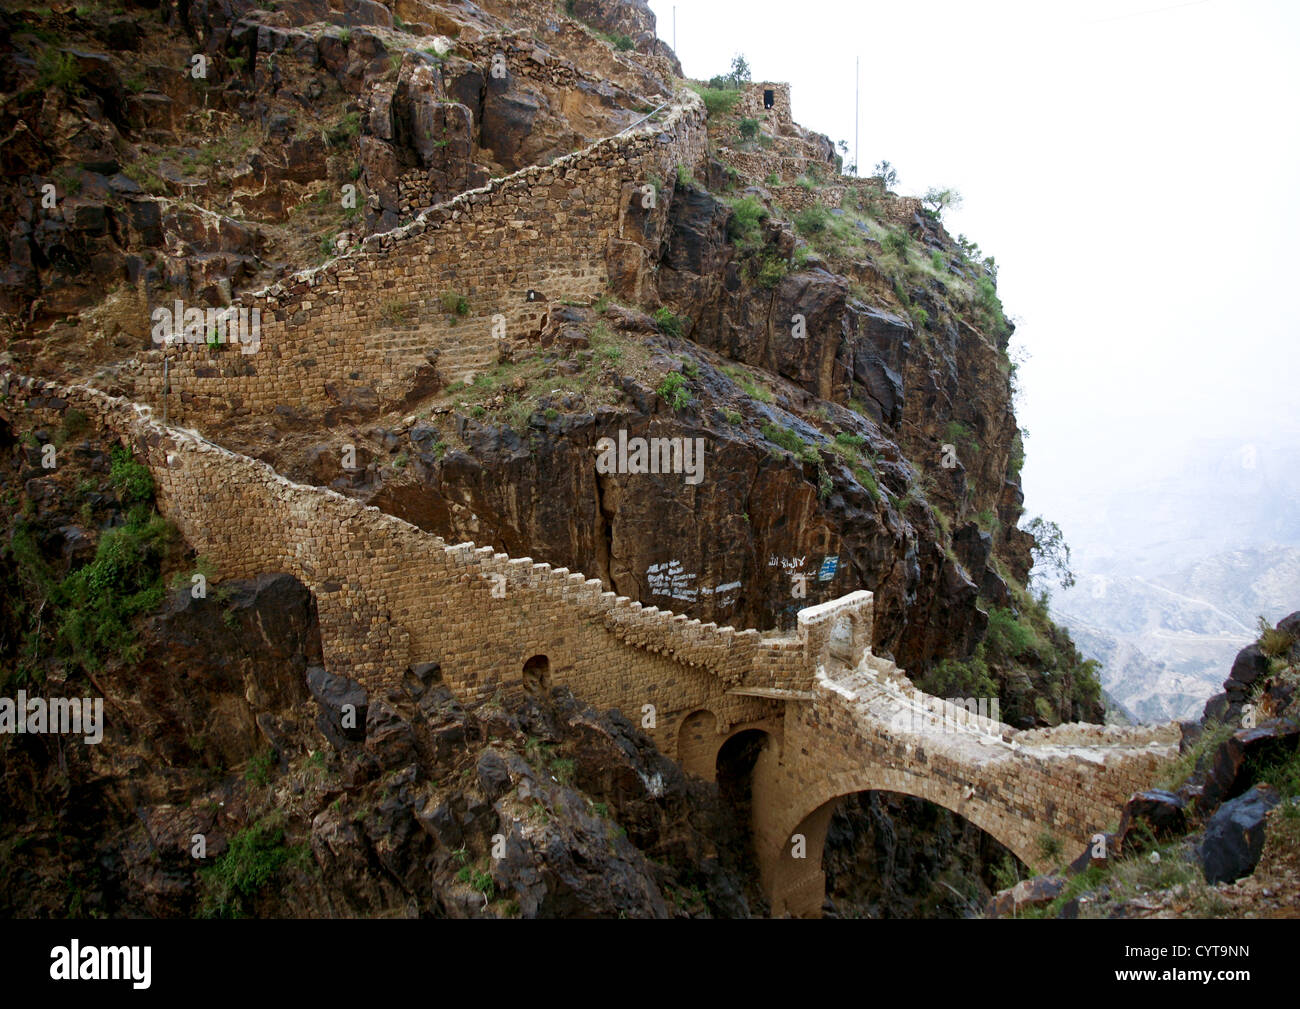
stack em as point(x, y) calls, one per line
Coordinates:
point(1234, 837)
point(507, 122)
point(493, 774)
point(1216, 708)
point(1232, 769)
point(1151, 815)
point(1035, 892)
point(389, 736)
point(343, 706)
point(1249, 665)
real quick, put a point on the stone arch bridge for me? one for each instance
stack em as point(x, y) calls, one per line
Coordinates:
point(833, 718)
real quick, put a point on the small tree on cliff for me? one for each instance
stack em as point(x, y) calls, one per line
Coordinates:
point(884, 171)
point(739, 73)
point(1050, 550)
point(938, 200)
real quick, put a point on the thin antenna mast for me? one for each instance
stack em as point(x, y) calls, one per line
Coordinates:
point(857, 94)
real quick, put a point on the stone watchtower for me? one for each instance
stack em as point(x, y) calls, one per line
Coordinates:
point(768, 102)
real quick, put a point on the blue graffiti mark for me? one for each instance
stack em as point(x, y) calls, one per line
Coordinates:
point(829, 566)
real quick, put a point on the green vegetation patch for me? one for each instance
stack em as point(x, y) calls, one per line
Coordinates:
point(256, 857)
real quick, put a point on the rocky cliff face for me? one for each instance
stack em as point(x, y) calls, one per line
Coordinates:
point(841, 357)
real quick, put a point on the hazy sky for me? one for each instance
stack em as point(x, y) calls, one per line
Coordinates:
point(1131, 165)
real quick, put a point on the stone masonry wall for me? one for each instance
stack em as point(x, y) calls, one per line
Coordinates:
point(751, 104)
point(390, 595)
point(360, 333)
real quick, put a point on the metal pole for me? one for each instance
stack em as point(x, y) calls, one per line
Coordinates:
point(857, 93)
point(663, 105)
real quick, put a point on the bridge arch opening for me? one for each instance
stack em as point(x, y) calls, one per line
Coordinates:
point(537, 675)
point(876, 853)
point(893, 855)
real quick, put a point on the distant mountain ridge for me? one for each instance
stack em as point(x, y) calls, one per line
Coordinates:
point(1167, 641)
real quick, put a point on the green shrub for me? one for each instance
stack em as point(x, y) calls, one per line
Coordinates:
point(938, 262)
point(986, 297)
point(346, 130)
point(772, 269)
point(718, 101)
point(255, 857)
point(772, 179)
point(790, 441)
point(132, 480)
point(744, 226)
point(57, 70)
point(956, 678)
point(1007, 636)
point(684, 176)
point(563, 769)
point(812, 220)
point(260, 766)
point(1273, 642)
point(454, 304)
point(480, 880)
point(896, 243)
point(868, 481)
point(672, 390)
point(748, 128)
point(100, 599)
point(1049, 846)
point(668, 323)
point(1176, 771)
point(960, 435)
point(1016, 461)
point(805, 183)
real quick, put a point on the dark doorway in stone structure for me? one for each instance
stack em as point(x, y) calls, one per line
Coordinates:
point(537, 675)
point(736, 760)
point(769, 98)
